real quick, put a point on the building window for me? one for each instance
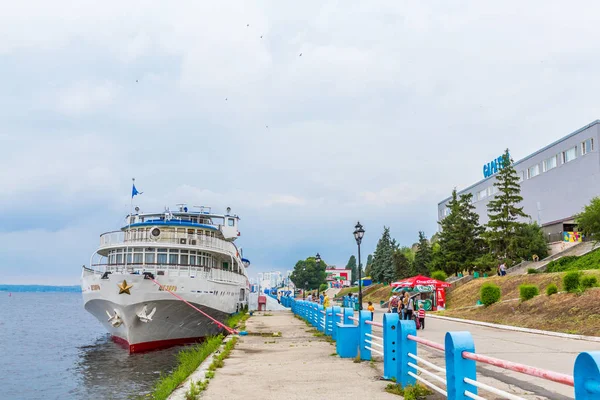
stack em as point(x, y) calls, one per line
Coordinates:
point(149, 258)
point(549, 164)
point(533, 171)
point(482, 194)
point(569, 155)
point(587, 146)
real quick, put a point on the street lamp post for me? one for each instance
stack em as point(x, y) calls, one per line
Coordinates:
point(304, 291)
point(359, 232)
point(318, 260)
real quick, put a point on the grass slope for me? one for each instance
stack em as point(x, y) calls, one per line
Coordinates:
point(590, 260)
point(562, 312)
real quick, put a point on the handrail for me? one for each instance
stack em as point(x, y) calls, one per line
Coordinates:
point(426, 342)
point(492, 389)
point(522, 368)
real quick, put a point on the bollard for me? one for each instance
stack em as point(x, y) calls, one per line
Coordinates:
point(335, 320)
point(406, 346)
point(587, 376)
point(391, 335)
point(457, 367)
point(320, 318)
point(365, 329)
point(347, 344)
point(328, 320)
point(348, 312)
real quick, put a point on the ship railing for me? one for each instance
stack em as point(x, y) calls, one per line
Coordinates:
point(200, 242)
point(173, 271)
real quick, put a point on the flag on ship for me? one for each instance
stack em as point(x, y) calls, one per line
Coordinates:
point(134, 191)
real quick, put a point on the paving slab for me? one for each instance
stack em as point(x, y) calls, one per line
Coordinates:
point(296, 365)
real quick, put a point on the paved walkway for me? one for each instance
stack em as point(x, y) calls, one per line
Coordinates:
point(296, 365)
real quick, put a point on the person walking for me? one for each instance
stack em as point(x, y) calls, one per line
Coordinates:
point(503, 269)
point(410, 306)
point(405, 302)
point(326, 301)
point(421, 314)
point(393, 304)
point(402, 306)
point(309, 297)
point(372, 309)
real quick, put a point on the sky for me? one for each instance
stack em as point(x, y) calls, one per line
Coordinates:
point(303, 117)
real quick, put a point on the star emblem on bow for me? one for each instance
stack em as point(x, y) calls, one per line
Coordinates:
point(124, 287)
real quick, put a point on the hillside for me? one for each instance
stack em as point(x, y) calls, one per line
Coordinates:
point(562, 312)
point(587, 261)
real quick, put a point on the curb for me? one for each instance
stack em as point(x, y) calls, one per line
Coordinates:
point(519, 329)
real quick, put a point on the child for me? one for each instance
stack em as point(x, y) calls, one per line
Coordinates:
point(422, 317)
point(372, 309)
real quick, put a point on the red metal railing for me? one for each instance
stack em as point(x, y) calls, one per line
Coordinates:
point(427, 343)
point(524, 369)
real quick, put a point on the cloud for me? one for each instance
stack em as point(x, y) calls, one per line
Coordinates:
point(389, 107)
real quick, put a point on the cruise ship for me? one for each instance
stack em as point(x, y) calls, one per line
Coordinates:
point(167, 278)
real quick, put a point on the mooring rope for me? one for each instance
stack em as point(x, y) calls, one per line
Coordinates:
point(220, 324)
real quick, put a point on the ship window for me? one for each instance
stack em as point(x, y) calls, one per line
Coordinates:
point(137, 258)
point(162, 258)
point(225, 265)
point(184, 259)
point(183, 251)
point(230, 221)
point(173, 258)
point(149, 258)
point(191, 231)
point(129, 258)
point(193, 260)
point(192, 251)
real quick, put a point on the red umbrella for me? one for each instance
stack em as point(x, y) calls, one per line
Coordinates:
point(420, 280)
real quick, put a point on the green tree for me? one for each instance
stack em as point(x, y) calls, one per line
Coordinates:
point(307, 271)
point(352, 266)
point(382, 267)
point(423, 256)
point(529, 240)
point(460, 238)
point(368, 266)
point(504, 212)
point(402, 266)
point(588, 221)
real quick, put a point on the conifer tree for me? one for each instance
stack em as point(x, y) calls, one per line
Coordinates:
point(423, 256)
point(352, 267)
point(402, 267)
point(382, 268)
point(369, 263)
point(460, 238)
point(504, 211)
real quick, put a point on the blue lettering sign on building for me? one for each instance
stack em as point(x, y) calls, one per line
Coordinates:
point(493, 166)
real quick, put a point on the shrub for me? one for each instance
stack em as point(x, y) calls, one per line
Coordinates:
point(439, 275)
point(532, 271)
point(571, 281)
point(490, 293)
point(551, 289)
point(527, 292)
point(323, 287)
point(589, 282)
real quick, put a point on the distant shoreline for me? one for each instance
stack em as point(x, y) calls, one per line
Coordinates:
point(40, 288)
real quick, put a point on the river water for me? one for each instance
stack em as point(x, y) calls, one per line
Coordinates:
point(51, 348)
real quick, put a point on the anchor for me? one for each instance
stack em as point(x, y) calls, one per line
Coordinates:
point(143, 316)
point(115, 320)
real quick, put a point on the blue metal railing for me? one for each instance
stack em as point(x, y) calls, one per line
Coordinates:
point(457, 379)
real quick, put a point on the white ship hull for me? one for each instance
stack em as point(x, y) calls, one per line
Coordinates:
point(144, 317)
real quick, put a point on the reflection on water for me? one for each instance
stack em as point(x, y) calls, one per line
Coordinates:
point(53, 349)
point(107, 370)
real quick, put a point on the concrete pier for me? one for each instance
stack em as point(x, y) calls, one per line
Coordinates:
point(297, 365)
